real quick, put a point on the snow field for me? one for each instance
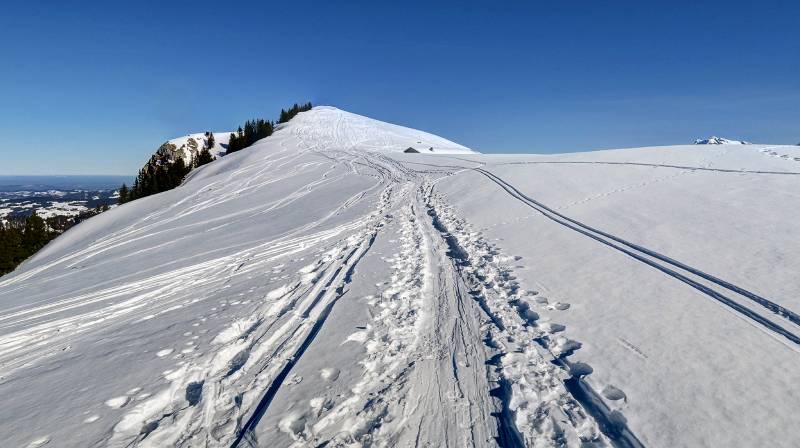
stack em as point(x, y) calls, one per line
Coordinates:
point(323, 288)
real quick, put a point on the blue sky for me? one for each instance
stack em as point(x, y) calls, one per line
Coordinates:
point(95, 88)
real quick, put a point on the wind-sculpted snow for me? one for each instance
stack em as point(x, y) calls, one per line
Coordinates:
point(323, 288)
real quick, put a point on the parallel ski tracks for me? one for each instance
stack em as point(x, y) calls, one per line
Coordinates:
point(335, 285)
point(674, 268)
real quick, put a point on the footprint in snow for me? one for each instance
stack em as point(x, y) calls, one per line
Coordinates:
point(561, 306)
point(580, 369)
point(613, 393)
point(551, 327)
point(529, 315)
point(564, 347)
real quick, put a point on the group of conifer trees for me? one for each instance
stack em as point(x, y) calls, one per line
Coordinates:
point(259, 128)
point(22, 237)
point(253, 131)
point(156, 176)
point(287, 115)
point(159, 175)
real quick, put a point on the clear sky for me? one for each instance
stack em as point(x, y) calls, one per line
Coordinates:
point(94, 88)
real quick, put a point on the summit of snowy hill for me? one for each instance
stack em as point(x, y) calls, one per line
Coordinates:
point(335, 129)
point(719, 141)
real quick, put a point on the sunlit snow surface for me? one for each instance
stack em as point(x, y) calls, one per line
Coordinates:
point(324, 287)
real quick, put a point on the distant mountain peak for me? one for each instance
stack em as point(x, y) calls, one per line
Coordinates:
point(719, 141)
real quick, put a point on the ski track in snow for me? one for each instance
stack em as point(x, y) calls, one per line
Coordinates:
point(390, 342)
point(240, 377)
point(456, 350)
point(783, 321)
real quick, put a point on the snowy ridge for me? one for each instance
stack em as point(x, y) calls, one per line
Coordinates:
point(323, 288)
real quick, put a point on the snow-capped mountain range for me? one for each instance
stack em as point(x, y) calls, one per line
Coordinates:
point(324, 288)
point(719, 141)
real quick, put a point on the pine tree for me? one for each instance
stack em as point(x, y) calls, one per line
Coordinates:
point(35, 234)
point(233, 144)
point(8, 246)
point(123, 194)
point(204, 157)
point(287, 115)
point(211, 141)
point(11, 250)
point(176, 172)
point(134, 193)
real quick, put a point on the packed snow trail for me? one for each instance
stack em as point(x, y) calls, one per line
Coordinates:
point(322, 288)
point(524, 371)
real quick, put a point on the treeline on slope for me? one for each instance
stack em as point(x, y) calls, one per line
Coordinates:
point(157, 176)
point(253, 131)
point(161, 175)
point(287, 115)
point(256, 129)
point(21, 237)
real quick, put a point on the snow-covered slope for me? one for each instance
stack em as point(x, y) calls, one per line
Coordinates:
point(322, 288)
point(719, 141)
point(367, 134)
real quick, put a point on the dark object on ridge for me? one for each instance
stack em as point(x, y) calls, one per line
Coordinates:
point(411, 151)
